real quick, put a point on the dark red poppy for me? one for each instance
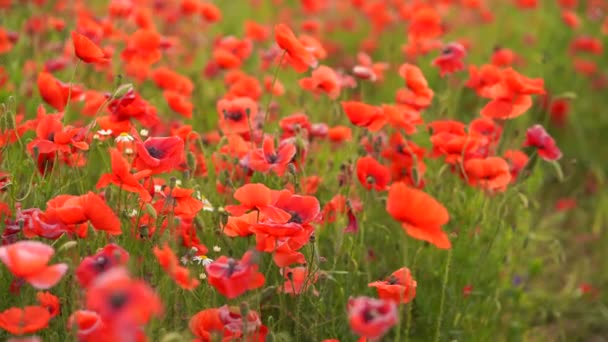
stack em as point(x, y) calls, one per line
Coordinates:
point(232, 278)
point(159, 154)
point(267, 159)
point(450, 60)
point(116, 297)
point(545, 145)
point(107, 258)
point(371, 318)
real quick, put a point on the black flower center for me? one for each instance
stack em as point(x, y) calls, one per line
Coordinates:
point(154, 152)
point(233, 116)
point(101, 263)
point(118, 300)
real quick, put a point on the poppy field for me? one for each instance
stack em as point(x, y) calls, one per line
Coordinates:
point(303, 170)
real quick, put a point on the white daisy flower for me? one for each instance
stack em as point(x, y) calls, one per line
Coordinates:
point(104, 132)
point(124, 137)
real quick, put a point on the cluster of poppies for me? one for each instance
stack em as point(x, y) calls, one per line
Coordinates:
point(152, 153)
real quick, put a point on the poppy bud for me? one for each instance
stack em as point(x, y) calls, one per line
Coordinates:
point(172, 182)
point(292, 169)
point(107, 194)
point(191, 161)
point(151, 211)
point(122, 90)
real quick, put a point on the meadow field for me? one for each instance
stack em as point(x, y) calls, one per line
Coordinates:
point(311, 170)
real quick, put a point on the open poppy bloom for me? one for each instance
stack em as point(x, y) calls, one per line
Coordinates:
point(229, 324)
point(545, 145)
point(168, 261)
point(178, 201)
point(76, 210)
point(123, 178)
point(55, 92)
point(29, 260)
point(491, 173)
point(323, 80)
point(420, 214)
point(363, 115)
point(372, 174)
point(450, 59)
point(511, 96)
point(116, 297)
point(399, 287)
point(236, 115)
point(50, 302)
point(299, 57)
point(87, 50)
point(268, 159)
point(18, 321)
point(257, 197)
point(370, 317)
point(159, 154)
point(107, 258)
point(232, 278)
point(417, 93)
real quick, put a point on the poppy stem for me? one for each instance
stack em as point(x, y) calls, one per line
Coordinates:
point(67, 104)
point(274, 80)
point(444, 285)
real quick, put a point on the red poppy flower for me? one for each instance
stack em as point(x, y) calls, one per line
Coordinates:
point(364, 115)
point(87, 50)
point(399, 287)
point(18, 321)
point(116, 297)
point(229, 323)
point(517, 161)
point(178, 201)
point(417, 94)
point(51, 137)
point(421, 215)
point(297, 280)
point(537, 137)
point(450, 59)
point(168, 261)
point(123, 178)
point(50, 302)
point(127, 107)
point(268, 159)
point(371, 318)
point(55, 92)
point(257, 197)
point(29, 260)
point(75, 210)
point(168, 79)
point(323, 80)
point(425, 23)
point(232, 278)
point(107, 258)
point(511, 96)
point(240, 225)
point(159, 154)
point(372, 174)
point(492, 173)
point(236, 115)
point(299, 57)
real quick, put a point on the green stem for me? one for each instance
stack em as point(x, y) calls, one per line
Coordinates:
point(446, 274)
